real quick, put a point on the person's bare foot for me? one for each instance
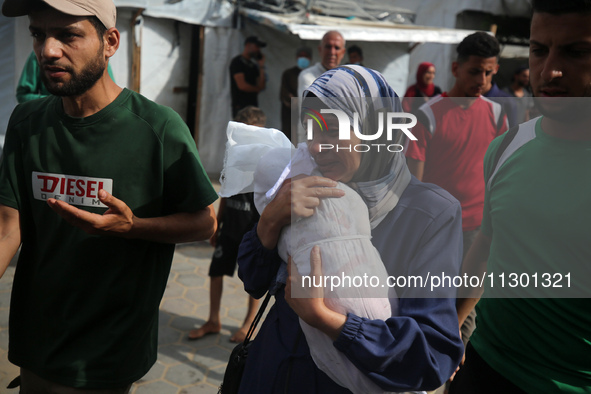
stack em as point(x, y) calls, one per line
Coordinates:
point(240, 335)
point(206, 329)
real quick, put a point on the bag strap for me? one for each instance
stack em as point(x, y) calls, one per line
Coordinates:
point(256, 320)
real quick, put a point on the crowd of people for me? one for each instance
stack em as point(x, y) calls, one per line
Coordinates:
point(98, 183)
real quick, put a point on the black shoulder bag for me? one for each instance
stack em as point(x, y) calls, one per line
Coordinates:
point(235, 367)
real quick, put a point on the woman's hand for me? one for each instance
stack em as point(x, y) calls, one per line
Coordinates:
point(309, 303)
point(299, 198)
point(307, 192)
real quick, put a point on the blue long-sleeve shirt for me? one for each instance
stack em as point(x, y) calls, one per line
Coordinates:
point(417, 349)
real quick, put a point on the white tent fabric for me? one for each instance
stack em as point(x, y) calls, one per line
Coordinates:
point(7, 65)
point(16, 48)
point(220, 45)
point(195, 12)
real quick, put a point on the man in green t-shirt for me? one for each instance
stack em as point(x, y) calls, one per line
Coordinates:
point(533, 331)
point(97, 183)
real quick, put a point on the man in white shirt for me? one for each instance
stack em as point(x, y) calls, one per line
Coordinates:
point(331, 51)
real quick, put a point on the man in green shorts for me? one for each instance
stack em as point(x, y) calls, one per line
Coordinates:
point(98, 183)
point(536, 223)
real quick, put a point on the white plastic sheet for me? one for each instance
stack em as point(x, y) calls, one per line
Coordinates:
point(246, 144)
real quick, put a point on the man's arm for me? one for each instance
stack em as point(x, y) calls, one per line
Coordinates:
point(248, 88)
point(416, 167)
point(213, 241)
point(10, 235)
point(176, 228)
point(120, 221)
point(474, 265)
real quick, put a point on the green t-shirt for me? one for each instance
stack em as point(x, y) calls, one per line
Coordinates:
point(537, 212)
point(84, 309)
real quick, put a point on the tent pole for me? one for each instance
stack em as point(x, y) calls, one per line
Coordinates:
point(195, 80)
point(136, 50)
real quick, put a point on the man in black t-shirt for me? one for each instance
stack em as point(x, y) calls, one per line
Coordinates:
point(247, 75)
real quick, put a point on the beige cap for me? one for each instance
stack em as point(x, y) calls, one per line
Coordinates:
point(104, 10)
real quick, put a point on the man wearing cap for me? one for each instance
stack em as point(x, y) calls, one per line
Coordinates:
point(97, 183)
point(247, 75)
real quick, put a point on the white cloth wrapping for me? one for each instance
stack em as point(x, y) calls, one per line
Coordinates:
point(341, 228)
point(245, 146)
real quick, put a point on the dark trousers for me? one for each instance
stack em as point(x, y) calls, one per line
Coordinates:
point(34, 384)
point(477, 377)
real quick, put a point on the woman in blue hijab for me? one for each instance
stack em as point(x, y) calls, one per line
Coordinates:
point(416, 227)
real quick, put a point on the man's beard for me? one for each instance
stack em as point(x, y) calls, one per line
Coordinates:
point(79, 82)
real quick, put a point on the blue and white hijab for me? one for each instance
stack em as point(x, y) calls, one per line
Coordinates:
point(382, 176)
